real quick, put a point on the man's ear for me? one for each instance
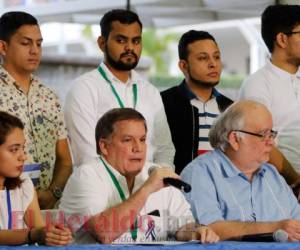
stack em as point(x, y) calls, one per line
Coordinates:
point(234, 140)
point(281, 40)
point(103, 146)
point(183, 66)
point(3, 46)
point(101, 43)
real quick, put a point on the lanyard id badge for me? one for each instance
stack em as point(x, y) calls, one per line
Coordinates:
point(114, 91)
point(9, 213)
point(133, 228)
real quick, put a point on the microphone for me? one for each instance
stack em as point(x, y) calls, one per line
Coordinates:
point(278, 236)
point(183, 186)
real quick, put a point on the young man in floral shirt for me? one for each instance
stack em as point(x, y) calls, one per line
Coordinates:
point(23, 95)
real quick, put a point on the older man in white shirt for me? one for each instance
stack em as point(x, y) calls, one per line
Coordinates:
point(115, 200)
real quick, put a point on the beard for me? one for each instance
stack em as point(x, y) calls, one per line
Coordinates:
point(119, 65)
point(294, 61)
point(200, 83)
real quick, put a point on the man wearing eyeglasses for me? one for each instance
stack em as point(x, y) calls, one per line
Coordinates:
point(234, 190)
point(277, 84)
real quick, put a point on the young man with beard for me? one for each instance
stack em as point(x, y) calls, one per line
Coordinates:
point(114, 84)
point(192, 107)
point(277, 84)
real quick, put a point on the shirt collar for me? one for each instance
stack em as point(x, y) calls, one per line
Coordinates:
point(132, 79)
point(8, 79)
point(139, 179)
point(280, 72)
point(190, 95)
point(229, 170)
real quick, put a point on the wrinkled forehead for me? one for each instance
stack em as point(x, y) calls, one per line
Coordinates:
point(258, 118)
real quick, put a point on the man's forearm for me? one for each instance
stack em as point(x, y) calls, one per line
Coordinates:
point(235, 229)
point(283, 166)
point(113, 222)
point(61, 173)
point(63, 165)
point(188, 232)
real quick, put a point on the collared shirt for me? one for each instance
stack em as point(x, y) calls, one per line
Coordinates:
point(220, 191)
point(90, 190)
point(91, 96)
point(42, 115)
point(280, 92)
point(207, 113)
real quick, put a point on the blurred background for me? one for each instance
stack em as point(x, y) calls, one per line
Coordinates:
point(70, 29)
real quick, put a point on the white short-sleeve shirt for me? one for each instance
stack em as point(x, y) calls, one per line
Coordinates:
point(280, 92)
point(20, 199)
point(90, 191)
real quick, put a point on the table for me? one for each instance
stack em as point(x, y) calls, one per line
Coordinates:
point(226, 245)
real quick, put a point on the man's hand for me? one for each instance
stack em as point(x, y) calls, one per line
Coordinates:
point(292, 227)
point(207, 235)
point(155, 180)
point(46, 199)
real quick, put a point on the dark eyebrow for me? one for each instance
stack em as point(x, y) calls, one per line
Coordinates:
point(121, 36)
point(137, 37)
point(202, 53)
point(30, 39)
point(15, 145)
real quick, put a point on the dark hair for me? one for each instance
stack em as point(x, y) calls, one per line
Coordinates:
point(10, 22)
point(276, 19)
point(7, 124)
point(190, 37)
point(105, 125)
point(123, 16)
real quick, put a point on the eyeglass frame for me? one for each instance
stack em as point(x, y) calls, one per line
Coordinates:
point(272, 133)
point(291, 33)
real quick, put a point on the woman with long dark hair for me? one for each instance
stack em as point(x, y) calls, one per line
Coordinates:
point(20, 216)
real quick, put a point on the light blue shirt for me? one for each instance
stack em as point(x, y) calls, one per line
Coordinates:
point(222, 192)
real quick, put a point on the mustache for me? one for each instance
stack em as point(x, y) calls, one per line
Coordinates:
point(129, 53)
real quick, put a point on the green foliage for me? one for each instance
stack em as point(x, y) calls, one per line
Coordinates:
point(231, 81)
point(155, 45)
point(87, 31)
point(164, 81)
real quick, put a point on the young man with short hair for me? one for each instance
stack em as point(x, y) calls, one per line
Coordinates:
point(23, 95)
point(277, 84)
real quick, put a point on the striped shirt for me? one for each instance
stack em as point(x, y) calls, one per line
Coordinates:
point(207, 113)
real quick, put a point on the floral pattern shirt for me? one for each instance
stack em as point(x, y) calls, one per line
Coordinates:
point(42, 115)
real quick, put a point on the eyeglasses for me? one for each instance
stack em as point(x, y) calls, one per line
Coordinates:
point(264, 135)
point(292, 33)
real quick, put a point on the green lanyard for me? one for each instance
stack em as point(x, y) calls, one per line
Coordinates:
point(121, 104)
point(133, 229)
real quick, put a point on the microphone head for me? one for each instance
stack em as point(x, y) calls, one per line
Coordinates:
point(187, 188)
point(280, 236)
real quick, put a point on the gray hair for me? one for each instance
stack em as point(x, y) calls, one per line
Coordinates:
point(231, 119)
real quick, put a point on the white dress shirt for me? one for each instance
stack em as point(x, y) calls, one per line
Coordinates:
point(91, 96)
point(90, 190)
point(280, 92)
